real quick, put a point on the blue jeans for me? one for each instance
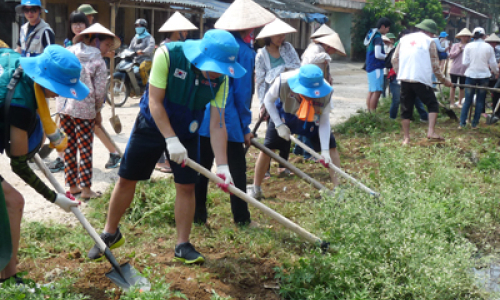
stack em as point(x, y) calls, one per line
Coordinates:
point(396, 97)
point(469, 95)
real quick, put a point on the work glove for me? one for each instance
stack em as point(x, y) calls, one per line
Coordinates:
point(326, 159)
point(66, 202)
point(176, 150)
point(283, 131)
point(223, 172)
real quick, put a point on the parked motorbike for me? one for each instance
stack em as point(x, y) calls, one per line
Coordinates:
point(125, 83)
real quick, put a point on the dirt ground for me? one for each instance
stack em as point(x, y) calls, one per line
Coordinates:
point(350, 86)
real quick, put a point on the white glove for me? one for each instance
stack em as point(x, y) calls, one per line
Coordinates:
point(283, 131)
point(66, 203)
point(176, 150)
point(223, 172)
point(326, 158)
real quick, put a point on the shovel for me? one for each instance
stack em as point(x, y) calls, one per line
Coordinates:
point(114, 120)
point(257, 125)
point(111, 141)
point(124, 276)
point(266, 210)
point(492, 119)
point(448, 111)
point(335, 168)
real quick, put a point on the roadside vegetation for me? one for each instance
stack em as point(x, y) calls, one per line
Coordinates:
point(437, 213)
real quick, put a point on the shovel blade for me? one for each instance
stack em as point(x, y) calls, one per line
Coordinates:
point(130, 279)
point(491, 119)
point(116, 124)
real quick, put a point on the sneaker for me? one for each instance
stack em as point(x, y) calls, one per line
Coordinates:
point(256, 194)
point(424, 121)
point(186, 253)
point(56, 165)
point(113, 161)
point(113, 241)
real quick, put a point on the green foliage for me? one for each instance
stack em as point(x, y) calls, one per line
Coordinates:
point(407, 245)
point(153, 203)
point(490, 162)
point(419, 10)
point(159, 291)
point(31, 291)
point(216, 296)
point(403, 14)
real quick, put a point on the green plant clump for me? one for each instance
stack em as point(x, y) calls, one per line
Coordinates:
point(409, 244)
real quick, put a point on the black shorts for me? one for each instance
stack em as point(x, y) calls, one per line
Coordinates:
point(273, 141)
point(411, 90)
point(457, 78)
point(144, 148)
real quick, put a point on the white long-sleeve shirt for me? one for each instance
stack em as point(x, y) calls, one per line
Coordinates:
point(273, 93)
point(479, 57)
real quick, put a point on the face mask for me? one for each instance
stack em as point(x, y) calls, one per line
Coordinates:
point(140, 30)
point(249, 38)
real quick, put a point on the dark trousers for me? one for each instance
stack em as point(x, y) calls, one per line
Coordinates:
point(237, 167)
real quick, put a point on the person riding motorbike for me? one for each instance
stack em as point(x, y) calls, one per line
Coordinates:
point(143, 44)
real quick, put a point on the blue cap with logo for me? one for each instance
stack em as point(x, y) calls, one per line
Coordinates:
point(443, 34)
point(58, 70)
point(19, 8)
point(310, 82)
point(216, 52)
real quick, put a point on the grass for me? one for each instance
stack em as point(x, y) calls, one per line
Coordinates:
point(438, 211)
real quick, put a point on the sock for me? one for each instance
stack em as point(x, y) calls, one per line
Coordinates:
point(257, 188)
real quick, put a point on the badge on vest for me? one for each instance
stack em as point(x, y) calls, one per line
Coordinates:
point(180, 74)
point(316, 120)
point(193, 126)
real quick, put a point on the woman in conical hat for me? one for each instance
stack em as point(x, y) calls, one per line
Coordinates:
point(322, 31)
point(177, 27)
point(276, 57)
point(240, 18)
point(320, 50)
point(457, 69)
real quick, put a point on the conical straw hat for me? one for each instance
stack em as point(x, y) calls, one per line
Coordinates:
point(322, 31)
point(177, 22)
point(98, 29)
point(244, 14)
point(332, 40)
point(274, 28)
point(464, 32)
point(493, 38)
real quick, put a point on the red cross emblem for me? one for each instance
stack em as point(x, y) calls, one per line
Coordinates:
point(413, 43)
point(316, 92)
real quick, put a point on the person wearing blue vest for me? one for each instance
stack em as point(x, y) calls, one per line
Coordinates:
point(375, 62)
point(185, 76)
point(23, 113)
point(241, 23)
point(35, 34)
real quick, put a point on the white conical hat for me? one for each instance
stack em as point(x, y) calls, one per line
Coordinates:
point(274, 28)
point(332, 40)
point(493, 38)
point(464, 32)
point(177, 22)
point(322, 31)
point(98, 29)
point(385, 39)
point(244, 14)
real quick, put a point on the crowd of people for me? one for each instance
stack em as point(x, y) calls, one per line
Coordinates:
point(197, 104)
point(418, 59)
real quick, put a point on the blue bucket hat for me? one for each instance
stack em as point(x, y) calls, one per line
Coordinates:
point(216, 52)
point(443, 34)
point(58, 70)
point(310, 82)
point(19, 8)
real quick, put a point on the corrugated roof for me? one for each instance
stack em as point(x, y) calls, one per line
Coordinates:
point(466, 9)
point(187, 3)
point(290, 5)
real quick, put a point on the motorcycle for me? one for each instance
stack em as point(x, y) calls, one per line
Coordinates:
point(125, 82)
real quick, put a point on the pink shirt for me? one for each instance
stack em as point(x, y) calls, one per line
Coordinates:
point(457, 67)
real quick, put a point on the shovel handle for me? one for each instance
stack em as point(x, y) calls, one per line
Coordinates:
point(78, 214)
point(254, 131)
point(250, 200)
point(111, 140)
point(470, 86)
point(334, 167)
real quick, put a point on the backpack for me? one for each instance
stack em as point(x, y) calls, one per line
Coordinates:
point(388, 58)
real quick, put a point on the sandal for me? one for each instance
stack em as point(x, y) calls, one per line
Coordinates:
point(97, 195)
point(165, 170)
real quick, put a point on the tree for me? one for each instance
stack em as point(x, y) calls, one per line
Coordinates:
point(419, 10)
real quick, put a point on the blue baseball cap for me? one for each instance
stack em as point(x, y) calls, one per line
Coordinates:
point(58, 70)
point(310, 82)
point(216, 52)
point(19, 8)
point(443, 34)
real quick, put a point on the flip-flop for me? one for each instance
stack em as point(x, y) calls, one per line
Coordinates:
point(436, 139)
point(98, 195)
point(75, 194)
